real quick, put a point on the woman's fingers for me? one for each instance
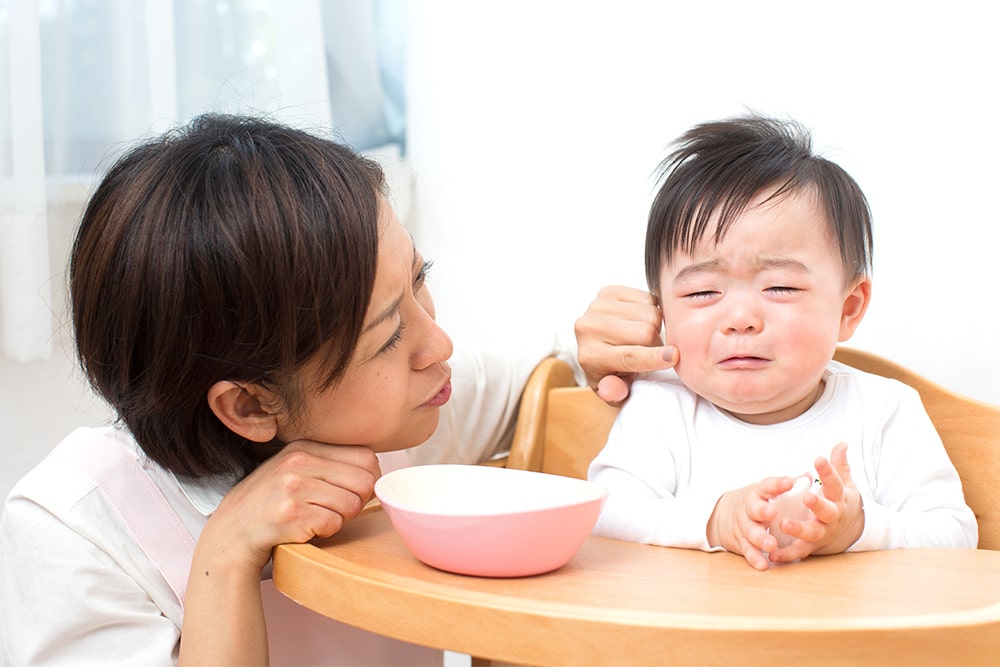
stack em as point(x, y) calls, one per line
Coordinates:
point(619, 334)
point(306, 490)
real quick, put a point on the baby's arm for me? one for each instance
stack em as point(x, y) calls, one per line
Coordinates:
point(640, 465)
point(911, 491)
point(914, 495)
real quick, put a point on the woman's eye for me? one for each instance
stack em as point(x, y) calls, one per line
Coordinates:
point(421, 276)
point(397, 336)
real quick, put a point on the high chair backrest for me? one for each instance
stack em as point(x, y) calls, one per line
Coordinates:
point(561, 427)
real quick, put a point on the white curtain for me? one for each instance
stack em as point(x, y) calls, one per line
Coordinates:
point(85, 78)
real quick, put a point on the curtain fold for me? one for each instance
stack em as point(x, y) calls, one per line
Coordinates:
point(86, 79)
point(25, 298)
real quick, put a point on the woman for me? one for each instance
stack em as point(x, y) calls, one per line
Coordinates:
point(245, 298)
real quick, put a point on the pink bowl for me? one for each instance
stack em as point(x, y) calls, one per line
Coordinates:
point(490, 522)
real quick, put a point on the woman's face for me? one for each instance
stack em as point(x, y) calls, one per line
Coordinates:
point(398, 378)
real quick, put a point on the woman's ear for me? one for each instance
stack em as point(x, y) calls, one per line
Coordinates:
point(241, 408)
point(855, 304)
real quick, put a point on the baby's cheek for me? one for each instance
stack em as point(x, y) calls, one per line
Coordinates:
point(687, 369)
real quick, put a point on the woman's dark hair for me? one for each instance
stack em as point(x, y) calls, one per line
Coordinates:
point(718, 167)
point(230, 249)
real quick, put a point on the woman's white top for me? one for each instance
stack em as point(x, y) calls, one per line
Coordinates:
point(77, 588)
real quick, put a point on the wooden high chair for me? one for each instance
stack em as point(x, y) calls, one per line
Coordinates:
point(561, 427)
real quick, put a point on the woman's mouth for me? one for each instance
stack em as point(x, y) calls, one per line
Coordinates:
point(441, 397)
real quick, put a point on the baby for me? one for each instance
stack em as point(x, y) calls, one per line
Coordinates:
point(760, 252)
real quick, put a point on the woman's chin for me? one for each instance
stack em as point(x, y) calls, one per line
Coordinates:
point(414, 435)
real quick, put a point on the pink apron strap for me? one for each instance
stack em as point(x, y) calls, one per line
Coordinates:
point(136, 499)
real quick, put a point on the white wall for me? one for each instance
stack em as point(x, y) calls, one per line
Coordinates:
point(42, 401)
point(535, 125)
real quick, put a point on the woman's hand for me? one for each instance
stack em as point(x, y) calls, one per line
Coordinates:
point(306, 490)
point(618, 337)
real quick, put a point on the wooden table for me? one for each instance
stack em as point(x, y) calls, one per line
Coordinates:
point(618, 603)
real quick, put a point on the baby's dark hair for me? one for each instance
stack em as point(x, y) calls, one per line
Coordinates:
point(230, 249)
point(717, 168)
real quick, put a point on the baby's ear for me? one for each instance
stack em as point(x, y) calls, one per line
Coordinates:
point(856, 302)
point(241, 408)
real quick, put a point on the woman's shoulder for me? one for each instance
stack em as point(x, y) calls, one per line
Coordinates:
point(97, 470)
point(66, 474)
point(59, 530)
point(67, 517)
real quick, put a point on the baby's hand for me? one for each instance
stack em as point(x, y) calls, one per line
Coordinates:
point(837, 518)
point(791, 505)
point(741, 518)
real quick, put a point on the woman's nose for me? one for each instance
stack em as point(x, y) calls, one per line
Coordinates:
point(435, 344)
point(435, 347)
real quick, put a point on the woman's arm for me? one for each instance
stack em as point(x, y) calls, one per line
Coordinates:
point(223, 613)
point(307, 490)
point(617, 337)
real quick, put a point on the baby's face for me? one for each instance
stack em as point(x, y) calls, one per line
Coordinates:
point(757, 317)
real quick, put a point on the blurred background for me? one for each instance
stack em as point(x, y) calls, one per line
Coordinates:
point(520, 137)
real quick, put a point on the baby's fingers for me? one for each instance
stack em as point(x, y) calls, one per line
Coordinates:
point(833, 484)
point(838, 458)
point(807, 534)
point(823, 508)
point(754, 556)
point(795, 551)
point(754, 540)
point(808, 531)
point(772, 487)
point(834, 473)
point(756, 535)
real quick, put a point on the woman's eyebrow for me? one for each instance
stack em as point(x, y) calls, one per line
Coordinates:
point(385, 315)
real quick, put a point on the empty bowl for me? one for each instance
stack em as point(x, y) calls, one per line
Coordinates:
point(489, 522)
